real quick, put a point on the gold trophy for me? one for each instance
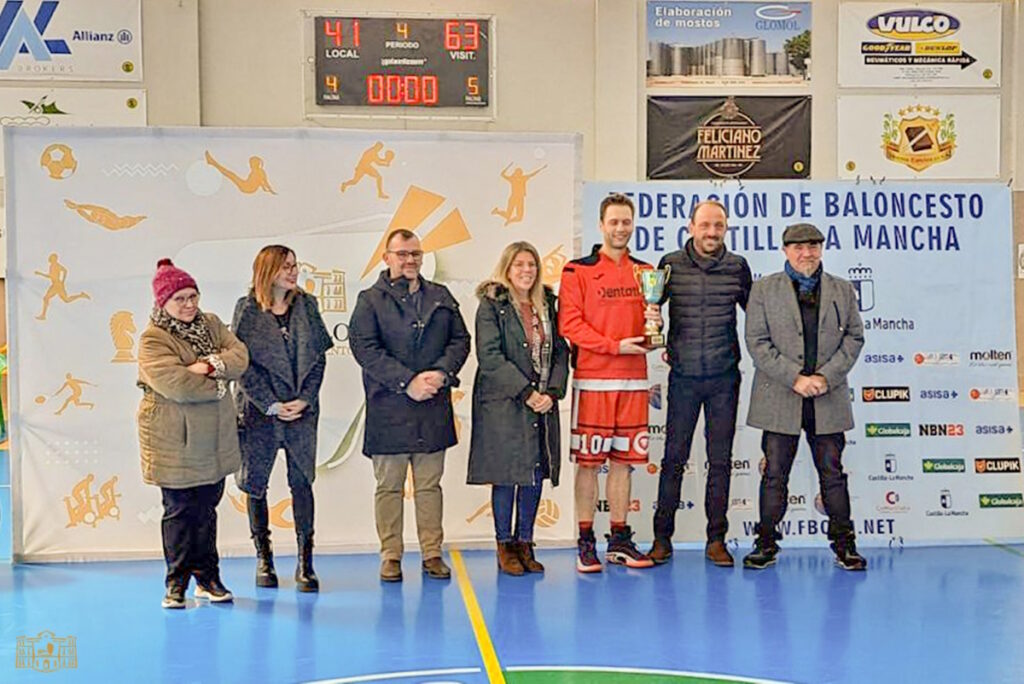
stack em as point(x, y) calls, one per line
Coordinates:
point(652, 287)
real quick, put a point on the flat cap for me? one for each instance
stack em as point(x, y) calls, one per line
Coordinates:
point(801, 232)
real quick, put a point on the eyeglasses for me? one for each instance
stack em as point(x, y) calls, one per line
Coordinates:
point(405, 254)
point(183, 300)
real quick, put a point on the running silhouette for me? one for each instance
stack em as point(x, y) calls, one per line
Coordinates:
point(364, 167)
point(56, 274)
point(514, 210)
point(256, 180)
point(75, 385)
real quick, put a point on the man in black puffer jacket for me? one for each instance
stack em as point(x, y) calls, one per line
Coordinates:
point(705, 285)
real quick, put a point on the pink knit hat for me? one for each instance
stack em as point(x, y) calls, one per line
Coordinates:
point(168, 280)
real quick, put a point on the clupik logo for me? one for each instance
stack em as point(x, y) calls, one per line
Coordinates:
point(19, 34)
point(873, 394)
point(997, 465)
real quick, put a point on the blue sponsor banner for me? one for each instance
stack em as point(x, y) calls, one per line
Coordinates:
point(933, 268)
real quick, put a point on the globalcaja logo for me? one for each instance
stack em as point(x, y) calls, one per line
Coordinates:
point(940, 430)
point(936, 359)
point(863, 286)
point(887, 430)
point(1008, 500)
point(19, 34)
point(883, 358)
point(943, 465)
point(992, 394)
point(990, 357)
point(997, 465)
point(873, 394)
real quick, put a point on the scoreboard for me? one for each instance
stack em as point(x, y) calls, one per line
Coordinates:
point(392, 62)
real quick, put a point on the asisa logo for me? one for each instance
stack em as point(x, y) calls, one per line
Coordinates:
point(20, 34)
point(913, 25)
point(883, 358)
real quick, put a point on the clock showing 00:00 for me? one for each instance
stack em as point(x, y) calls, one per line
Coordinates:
point(392, 62)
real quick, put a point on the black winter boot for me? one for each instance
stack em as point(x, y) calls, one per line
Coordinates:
point(266, 576)
point(305, 578)
point(259, 527)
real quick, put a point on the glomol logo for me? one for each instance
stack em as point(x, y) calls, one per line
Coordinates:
point(18, 33)
point(887, 430)
point(776, 12)
point(913, 25)
point(1008, 500)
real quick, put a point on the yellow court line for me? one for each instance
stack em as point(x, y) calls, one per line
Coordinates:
point(476, 618)
point(1004, 547)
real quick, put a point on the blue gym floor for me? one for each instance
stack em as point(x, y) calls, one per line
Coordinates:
point(947, 614)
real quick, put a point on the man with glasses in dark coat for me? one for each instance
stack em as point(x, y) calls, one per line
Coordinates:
point(409, 338)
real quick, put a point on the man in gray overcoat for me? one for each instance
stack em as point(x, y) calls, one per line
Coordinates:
point(804, 333)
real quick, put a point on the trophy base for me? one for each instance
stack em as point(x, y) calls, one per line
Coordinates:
point(654, 340)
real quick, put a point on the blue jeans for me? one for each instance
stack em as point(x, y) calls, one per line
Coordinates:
point(526, 499)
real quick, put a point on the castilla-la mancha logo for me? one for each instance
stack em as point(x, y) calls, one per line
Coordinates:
point(917, 137)
point(46, 652)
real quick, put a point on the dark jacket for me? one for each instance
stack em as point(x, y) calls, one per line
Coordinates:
point(271, 378)
point(393, 342)
point(702, 296)
point(507, 434)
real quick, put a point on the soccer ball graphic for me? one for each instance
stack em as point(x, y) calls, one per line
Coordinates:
point(58, 161)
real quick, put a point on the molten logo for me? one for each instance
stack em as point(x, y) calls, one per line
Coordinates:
point(913, 25)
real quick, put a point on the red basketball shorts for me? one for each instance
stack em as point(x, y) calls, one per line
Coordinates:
point(609, 421)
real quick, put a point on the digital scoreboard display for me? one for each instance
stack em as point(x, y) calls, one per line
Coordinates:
point(388, 62)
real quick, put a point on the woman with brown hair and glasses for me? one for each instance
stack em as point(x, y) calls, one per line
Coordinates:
point(187, 433)
point(279, 399)
point(523, 366)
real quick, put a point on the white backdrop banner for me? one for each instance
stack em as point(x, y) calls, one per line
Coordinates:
point(71, 40)
point(918, 136)
point(904, 45)
point(92, 210)
point(41, 107)
point(936, 453)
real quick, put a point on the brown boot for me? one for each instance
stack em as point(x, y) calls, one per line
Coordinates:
point(716, 552)
point(661, 551)
point(508, 559)
point(524, 550)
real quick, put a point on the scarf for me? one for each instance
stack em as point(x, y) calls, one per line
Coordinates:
point(806, 284)
point(196, 334)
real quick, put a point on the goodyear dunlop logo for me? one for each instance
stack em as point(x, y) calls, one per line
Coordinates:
point(729, 142)
point(943, 465)
point(1009, 500)
point(46, 652)
point(887, 430)
point(918, 136)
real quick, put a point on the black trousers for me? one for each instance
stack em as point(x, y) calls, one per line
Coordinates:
point(718, 396)
point(827, 452)
point(189, 530)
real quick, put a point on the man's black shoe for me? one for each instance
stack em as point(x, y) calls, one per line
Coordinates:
point(847, 557)
point(762, 556)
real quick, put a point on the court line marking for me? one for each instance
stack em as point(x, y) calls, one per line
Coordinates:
point(639, 670)
point(476, 618)
point(397, 675)
point(1004, 547)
